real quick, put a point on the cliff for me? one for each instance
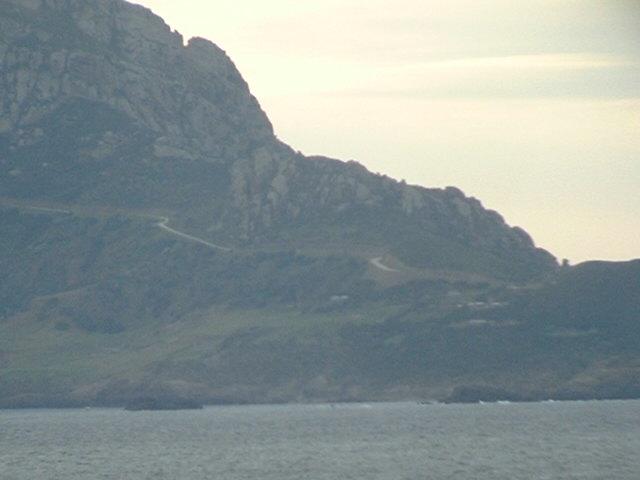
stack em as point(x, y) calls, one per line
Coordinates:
point(159, 242)
point(103, 104)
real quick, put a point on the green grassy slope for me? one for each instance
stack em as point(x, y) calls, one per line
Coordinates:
point(99, 309)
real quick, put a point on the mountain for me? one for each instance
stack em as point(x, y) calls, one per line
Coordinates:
point(104, 105)
point(158, 239)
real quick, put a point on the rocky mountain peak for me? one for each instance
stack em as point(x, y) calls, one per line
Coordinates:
point(103, 103)
point(124, 56)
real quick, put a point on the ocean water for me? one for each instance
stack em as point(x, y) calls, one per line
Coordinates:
point(402, 441)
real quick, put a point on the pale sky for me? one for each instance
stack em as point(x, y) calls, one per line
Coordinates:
point(531, 106)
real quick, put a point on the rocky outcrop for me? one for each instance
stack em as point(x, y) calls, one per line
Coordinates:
point(118, 54)
point(103, 103)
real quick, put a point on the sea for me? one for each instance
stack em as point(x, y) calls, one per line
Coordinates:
point(377, 441)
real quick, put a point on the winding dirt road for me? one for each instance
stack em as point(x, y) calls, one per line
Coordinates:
point(162, 223)
point(377, 262)
point(49, 210)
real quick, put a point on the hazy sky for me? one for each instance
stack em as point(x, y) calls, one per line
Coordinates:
point(532, 106)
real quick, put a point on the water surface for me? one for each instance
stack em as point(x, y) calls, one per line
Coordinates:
point(572, 440)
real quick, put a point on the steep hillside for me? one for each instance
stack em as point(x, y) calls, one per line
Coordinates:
point(98, 310)
point(157, 239)
point(102, 104)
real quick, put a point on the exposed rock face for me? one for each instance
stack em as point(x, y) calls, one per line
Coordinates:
point(123, 56)
point(102, 103)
